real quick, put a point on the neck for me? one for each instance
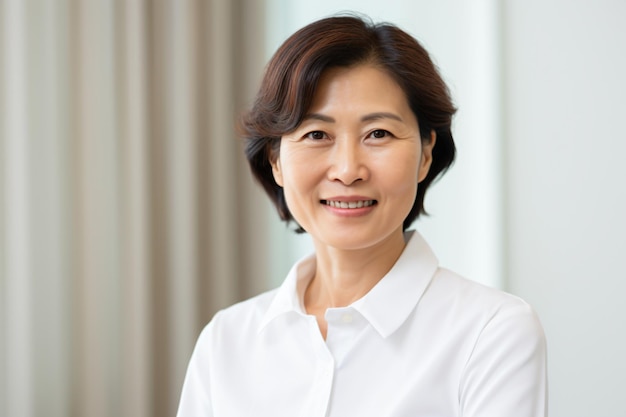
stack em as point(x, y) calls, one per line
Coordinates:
point(344, 276)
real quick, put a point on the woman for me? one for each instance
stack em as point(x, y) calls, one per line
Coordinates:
point(350, 127)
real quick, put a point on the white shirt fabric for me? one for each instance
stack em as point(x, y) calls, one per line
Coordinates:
point(424, 342)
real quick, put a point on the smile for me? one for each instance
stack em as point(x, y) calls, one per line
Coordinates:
point(349, 204)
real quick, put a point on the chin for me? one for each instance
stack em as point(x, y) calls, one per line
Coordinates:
point(355, 239)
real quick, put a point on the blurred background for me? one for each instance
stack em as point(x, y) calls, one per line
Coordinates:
point(128, 216)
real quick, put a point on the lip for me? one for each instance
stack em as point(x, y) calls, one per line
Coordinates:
point(348, 198)
point(360, 205)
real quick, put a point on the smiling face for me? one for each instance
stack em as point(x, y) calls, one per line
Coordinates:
point(350, 170)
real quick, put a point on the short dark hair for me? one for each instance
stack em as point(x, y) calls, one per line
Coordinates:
point(292, 74)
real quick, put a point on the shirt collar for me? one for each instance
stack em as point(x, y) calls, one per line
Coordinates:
point(389, 303)
point(386, 306)
point(289, 297)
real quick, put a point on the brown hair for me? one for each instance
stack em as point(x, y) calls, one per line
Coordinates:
point(292, 74)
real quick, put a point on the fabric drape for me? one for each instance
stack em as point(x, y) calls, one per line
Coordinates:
point(127, 213)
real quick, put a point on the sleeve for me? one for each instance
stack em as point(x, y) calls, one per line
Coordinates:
point(195, 400)
point(506, 374)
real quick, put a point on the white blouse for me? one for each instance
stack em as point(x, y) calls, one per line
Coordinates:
point(424, 342)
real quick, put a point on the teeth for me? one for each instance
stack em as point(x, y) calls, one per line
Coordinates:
point(350, 205)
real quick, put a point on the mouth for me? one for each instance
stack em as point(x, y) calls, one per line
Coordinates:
point(349, 204)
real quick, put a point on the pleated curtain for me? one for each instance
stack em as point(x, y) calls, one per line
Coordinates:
point(127, 213)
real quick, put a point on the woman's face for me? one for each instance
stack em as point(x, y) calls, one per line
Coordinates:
point(350, 170)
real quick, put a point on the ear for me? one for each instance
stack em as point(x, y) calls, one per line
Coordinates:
point(276, 169)
point(427, 156)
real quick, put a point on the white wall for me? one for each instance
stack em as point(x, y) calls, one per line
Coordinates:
point(536, 203)
point(565, 90)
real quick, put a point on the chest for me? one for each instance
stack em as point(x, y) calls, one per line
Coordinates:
point(355, 371)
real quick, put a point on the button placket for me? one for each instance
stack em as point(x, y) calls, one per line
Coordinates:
point(322, 383)
point(344, 325)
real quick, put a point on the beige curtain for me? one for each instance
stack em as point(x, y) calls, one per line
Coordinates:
point(127, 213)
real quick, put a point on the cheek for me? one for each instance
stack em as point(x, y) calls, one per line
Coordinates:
point(400, 185)
point(298, 172)
point(401, 172)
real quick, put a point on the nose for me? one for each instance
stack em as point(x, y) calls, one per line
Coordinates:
point(348, 162)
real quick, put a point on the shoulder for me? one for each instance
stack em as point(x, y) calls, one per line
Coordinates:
point(481, 308)
point(243, 317)
point(505, 352)
point(471, 295)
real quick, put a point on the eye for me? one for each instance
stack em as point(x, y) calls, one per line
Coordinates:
point(316, 135)
point(379, 133)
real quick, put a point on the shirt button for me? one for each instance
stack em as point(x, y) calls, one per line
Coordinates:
point(346, 318)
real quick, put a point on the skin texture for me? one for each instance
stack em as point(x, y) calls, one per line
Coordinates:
point(359, 142)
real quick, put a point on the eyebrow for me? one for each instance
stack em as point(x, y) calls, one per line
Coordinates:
point(366, 118)
point(381, 115)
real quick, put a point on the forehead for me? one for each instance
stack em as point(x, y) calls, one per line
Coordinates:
point(358, 88)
